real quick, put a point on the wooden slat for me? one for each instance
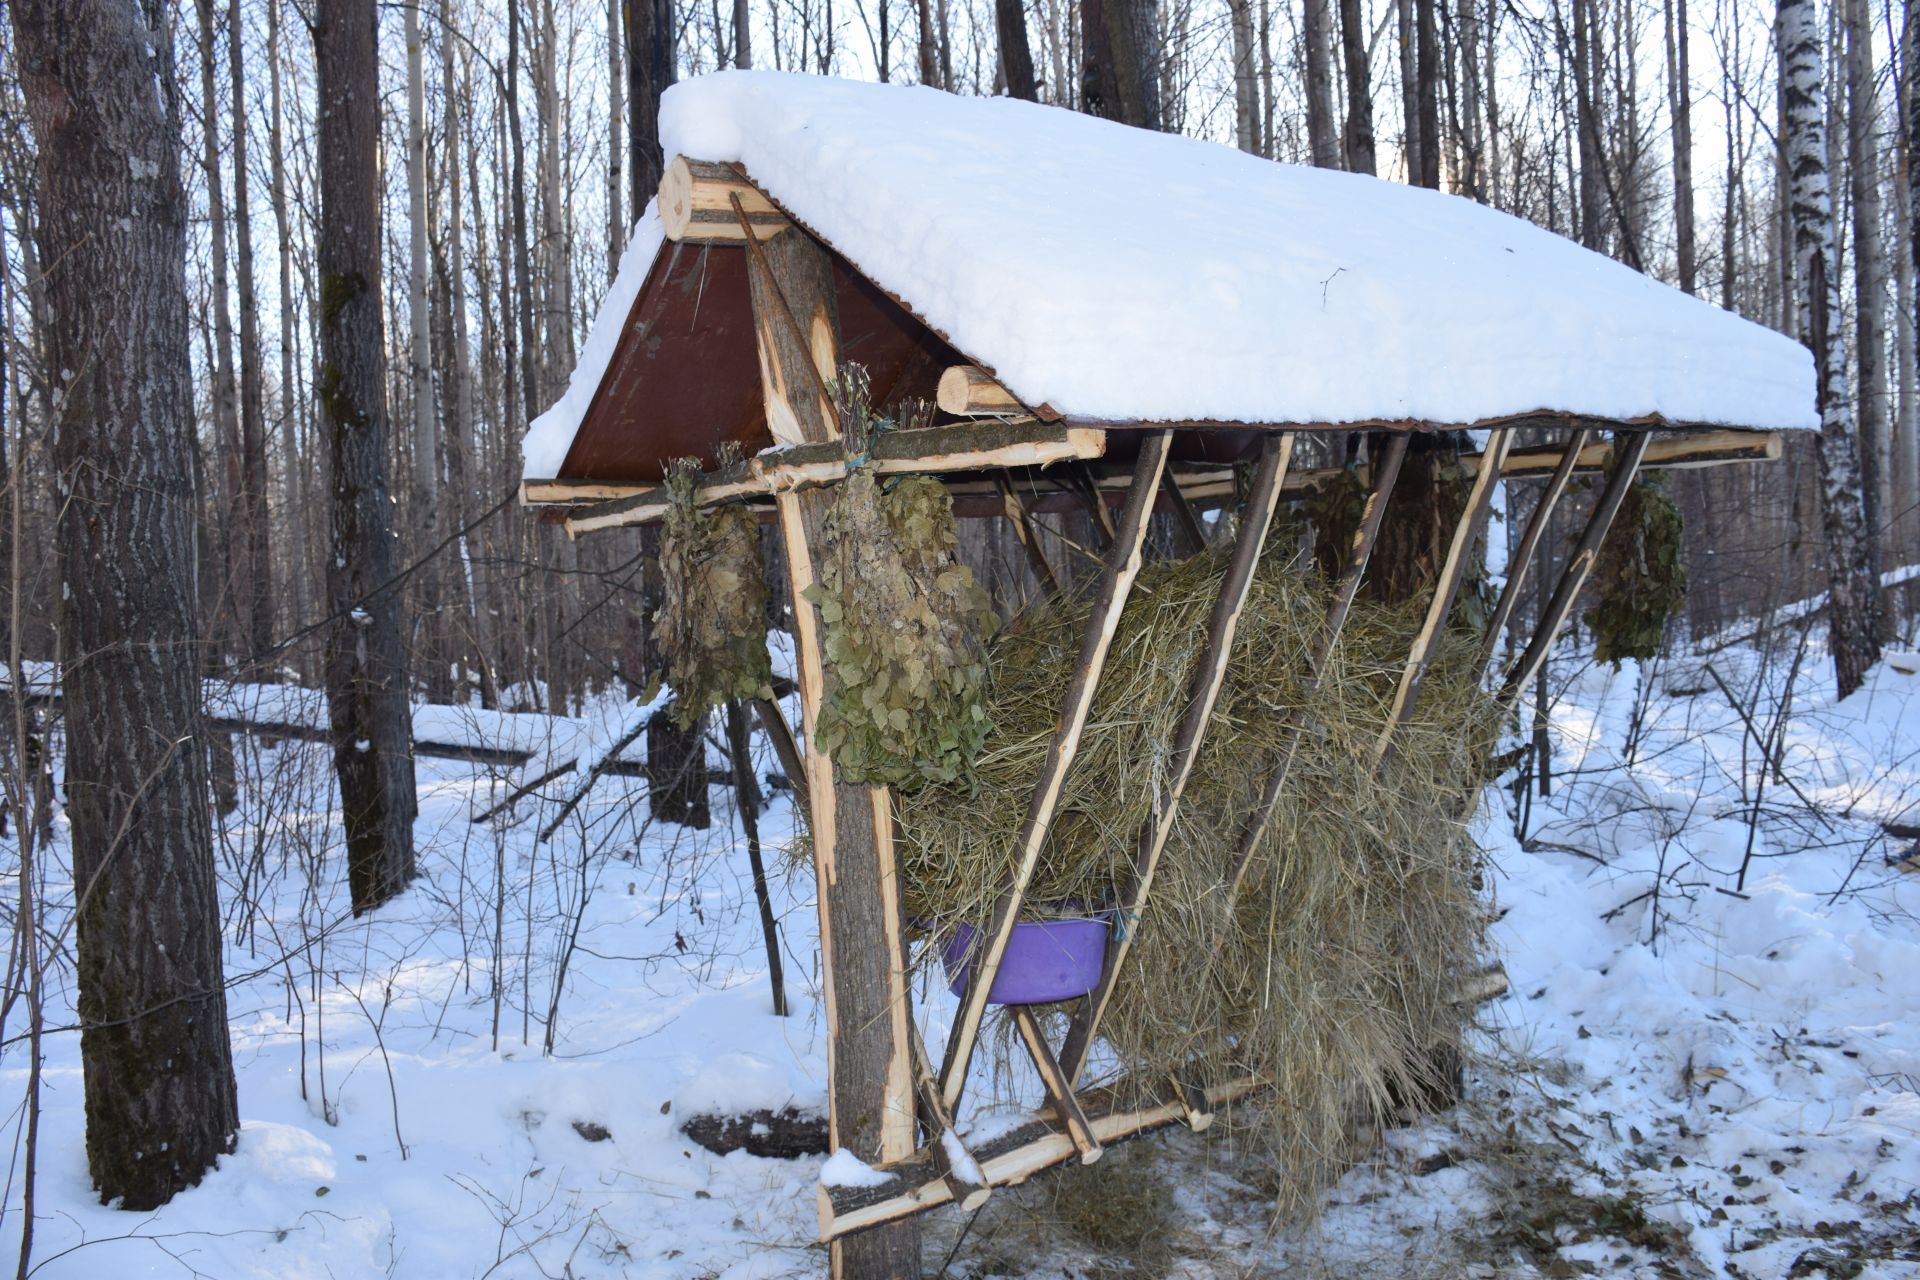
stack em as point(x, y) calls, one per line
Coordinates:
point(927, 450)
point(968, 391)
point(1628, 453)
point(1203, 690)
point(1453, 571)
point(1009, 1159)
point(951, 1159)
point(1103, 620)
point(1520, 563)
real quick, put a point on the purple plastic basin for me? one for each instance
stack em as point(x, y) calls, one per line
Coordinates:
point(1045, 960)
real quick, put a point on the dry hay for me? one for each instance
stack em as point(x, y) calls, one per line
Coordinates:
point(1329, 976)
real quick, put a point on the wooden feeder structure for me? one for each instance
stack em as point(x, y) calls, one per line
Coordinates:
point(746, 314)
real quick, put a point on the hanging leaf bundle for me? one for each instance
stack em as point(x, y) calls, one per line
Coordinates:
point(711, 625)
point(1638, 576)
point(905, 627)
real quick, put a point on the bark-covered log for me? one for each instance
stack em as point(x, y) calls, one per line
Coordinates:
point(158, 1074)
point(787, 1134)
point(367, 697)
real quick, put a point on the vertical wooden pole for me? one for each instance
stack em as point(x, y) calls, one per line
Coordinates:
point(1203, 689)
point(870, 1103)
point(1103, 620)
point(1016, 513)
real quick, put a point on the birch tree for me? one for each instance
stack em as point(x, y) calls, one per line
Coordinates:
point(99, 84)
point(1853, 595)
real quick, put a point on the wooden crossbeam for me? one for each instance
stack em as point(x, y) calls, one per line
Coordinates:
point(914, 1186)
point(1103, 620)
point(1521, 561)
point(1344, 590)
point(696, 204)
point(1629, 448)
point(1453, 571)
point(1203, 690)
point(966, 447)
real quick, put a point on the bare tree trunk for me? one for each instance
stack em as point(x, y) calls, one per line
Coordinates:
point(1680, 108)
point(650, 70)
point(426, 427)
point(928, 46)
point(1853, 595)
point(743, 35)
point(1586, 126)
point(1119, 78)
point(1869, 277)
point(158, 1069)
point(1016, 58)
point(1323, 135)
point(1427, 70)
point(1246, 77)
point(255, 590)
point(367, 701)
point(1359, 130)
point(232, 543)
point(1409, 89)
point(299, 562)
point(616, 124)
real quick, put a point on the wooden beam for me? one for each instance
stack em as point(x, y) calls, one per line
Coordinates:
point(1629, 448)
point(968, 391)
point(1203, 690)
point(1016, 515)
point(1453, 571)
point(1057, 1084)
point(1113, 1115)
point(951, 1160)
point(1521, 561)
point(926, 450)
point(1103, 620)
point(696, 204)
point(1344, 590)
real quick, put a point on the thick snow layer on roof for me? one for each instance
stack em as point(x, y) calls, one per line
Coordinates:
point(1117, 274)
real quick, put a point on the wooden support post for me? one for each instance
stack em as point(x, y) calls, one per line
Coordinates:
point(1629, 448)
point(862, 943)
point(1522, 559)
point(1203, 689)
point(1103, 620)
point(968, 391)
point(1344, 591)
point(1453, 571)
point(774, 724)
point(1016, 514)
point(1193, 535)
point(746, 799)
point(1059, 1087)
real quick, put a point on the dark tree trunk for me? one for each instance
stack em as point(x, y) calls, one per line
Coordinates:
point(158, 1071)
point(367, 701)
point(1359, 130)
point(650, 71)
point(254, 592)
point(1016, 57)
point(1119, 74)
point(1427, 71)
point(1680, 106)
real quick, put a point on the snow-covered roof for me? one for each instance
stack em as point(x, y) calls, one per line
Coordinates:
point(1116, 275)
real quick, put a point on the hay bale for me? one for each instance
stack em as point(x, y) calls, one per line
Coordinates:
point(1328, 976)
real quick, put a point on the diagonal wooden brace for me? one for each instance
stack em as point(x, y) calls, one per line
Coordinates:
point(1122, 567)
point(1059, 1089)
point(1203, 690)
point(1521, 561)
point(1629, 448)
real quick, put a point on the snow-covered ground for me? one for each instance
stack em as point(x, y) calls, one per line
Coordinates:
point(1686, 1079)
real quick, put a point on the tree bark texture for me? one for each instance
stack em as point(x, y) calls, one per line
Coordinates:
point(650, 71)
point(1869, 276)
point(1853, 596)
point(1680, 107)
point(1323, 135)
point(1119, 74)
point(367, 695)
point(253, 590)
point(1358, 134)
point(1016, 56)
point(159, 1087)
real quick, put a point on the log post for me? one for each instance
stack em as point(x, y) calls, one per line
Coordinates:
point(1203, 689)
point(1103, 620)
point(862, 945)
point(1059, 1087)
